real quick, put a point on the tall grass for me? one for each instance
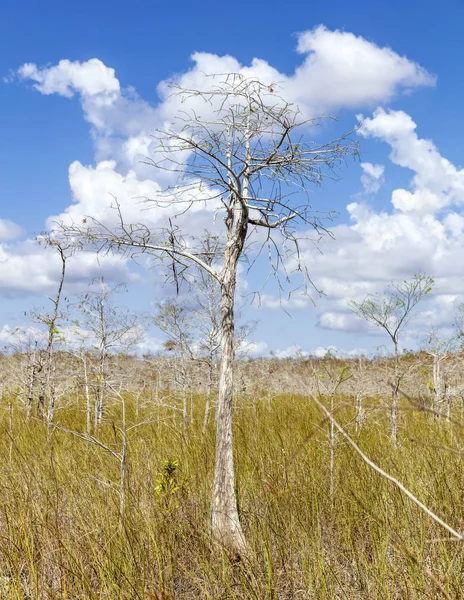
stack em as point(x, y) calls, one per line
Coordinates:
point(60, 533)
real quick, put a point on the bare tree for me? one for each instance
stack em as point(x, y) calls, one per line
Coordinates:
point(440, 349)
point(208, 309)
point(109, 328)
point(50, 321)
point(175, 320)
point(459, 321)
point(121, 431)
point(392, 311)
point(328, 383)
point(249, 164)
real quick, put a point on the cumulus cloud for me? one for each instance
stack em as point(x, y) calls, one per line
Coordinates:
point(293, 351)
point(26, 268)
point(345, 70)
point(372, 178)
point(92, 78)
point(19, 337)
point(436, 183)
point(340, 320)
point(322, 352)
point(9, 230)
point(296, 301)
point(96, 192)
point(422, 232)
point(253, 348)
point(338, 70)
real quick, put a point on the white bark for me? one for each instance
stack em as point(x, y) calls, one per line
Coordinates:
point(225, 521)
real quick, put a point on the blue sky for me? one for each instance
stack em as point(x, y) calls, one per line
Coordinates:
point(399, 225)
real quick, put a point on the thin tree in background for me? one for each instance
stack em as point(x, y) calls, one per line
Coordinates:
point(248, 160)
point(392, 311)
point(174, 319)
point(208, 312)
point(440, 349)
point(108, 327)
point(47, 388)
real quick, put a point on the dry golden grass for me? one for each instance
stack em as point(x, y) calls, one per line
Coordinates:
point(59, 523)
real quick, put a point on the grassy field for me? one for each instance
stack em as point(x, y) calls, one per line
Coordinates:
point(62, 535)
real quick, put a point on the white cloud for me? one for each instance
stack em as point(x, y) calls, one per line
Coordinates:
point(339, 70)
point(291, 352)
point(436, 183)
point(110, 110)
point(422, 232)
point(253, 348)
point(345, 70)
point(26, 268)
point(296, 301)
point(372, 178)
point(9, 230)
point(342, 321)
point(322, 352)
point(95, 191)
point(19, 337)
point(92, 78)
point(150, 345)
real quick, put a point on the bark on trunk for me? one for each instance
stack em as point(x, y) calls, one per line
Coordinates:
point(208, 394)
point(225, 523)
point(394, 404)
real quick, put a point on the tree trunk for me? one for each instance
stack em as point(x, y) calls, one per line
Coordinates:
point(101, 387)
point(225, 524)
point(394, 404)
point(437, 387)
point(332, 450)
point(88, 409)
point(183, 375)
point(208, 394)
point(30, 394)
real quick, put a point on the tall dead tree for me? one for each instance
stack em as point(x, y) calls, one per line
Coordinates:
point(240, 149)
point(392, 311)
point(50, 322)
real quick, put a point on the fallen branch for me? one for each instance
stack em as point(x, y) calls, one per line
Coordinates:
point(376, 468)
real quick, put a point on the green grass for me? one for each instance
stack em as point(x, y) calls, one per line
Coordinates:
point(59, 521)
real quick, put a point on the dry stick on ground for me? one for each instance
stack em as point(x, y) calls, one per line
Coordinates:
point(376, 468)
